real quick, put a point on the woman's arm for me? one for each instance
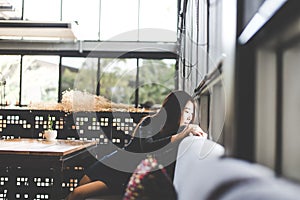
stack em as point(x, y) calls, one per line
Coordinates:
point(193, 129)
point(151, 140)
point(154, 143)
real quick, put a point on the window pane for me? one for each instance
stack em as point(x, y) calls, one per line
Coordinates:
point(48, 10)
point(15, 13)
point(158, 20)
point(156, 80)
point(117, 80)
point(40, 79)
point(79, 74)
point(70, 69)
point(9, 79)
point(86, 13)
point(119, 20)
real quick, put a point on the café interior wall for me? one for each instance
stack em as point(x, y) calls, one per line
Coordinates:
point(210, 41)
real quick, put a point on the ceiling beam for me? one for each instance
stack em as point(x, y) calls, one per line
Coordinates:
point(91, 48)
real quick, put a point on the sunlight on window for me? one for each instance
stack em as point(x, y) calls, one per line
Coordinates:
point(119, 20)
point(46, 10)
point(16, 14)
point(111, 20)
point(70, 69)
point(158, 20)
point(115, 20)
point(40, 79)
point(86, 14)
point(10, 79)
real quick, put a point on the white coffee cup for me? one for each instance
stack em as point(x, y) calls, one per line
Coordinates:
point(50, 135)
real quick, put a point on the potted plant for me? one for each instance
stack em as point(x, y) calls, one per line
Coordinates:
point(50, 134)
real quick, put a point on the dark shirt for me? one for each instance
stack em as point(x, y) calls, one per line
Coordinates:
point(116, 168)
point(148, 137)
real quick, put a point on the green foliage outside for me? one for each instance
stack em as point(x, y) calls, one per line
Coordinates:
point(156, 81)
point(68, 79)
point(117, 80)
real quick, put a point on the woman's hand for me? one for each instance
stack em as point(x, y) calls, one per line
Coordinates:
point(191, 129)
point(194, 129)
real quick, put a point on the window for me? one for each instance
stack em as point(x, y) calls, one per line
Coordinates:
point(70, 69)
point(86, 77)
point(40, 79)
point(118, 80)
point(114, 20)
point(34, 78)
point(86, 14)
point(15, 13)
point(9, 79)
point(138, 20)
point(45, 10)
point(156, 79)
point(119, 20)
point(157, 20)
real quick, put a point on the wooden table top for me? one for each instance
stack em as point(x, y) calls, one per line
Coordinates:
point(43, 147)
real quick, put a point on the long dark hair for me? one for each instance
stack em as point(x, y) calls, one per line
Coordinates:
point(171, 110)
point(167, 119)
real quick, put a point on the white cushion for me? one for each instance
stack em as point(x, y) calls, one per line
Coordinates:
point(192, 152)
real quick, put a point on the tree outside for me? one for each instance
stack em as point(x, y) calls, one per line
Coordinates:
point(156, 80)
point(118, 79)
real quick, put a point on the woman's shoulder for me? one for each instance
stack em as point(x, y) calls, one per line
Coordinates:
point(146, 120)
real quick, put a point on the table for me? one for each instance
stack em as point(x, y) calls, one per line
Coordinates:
point(40, 169)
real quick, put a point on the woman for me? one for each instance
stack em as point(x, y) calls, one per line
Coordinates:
point(158, 134)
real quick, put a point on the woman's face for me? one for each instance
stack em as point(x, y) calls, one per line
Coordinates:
point(187, 114)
